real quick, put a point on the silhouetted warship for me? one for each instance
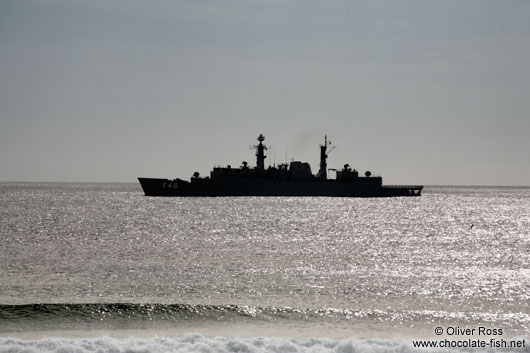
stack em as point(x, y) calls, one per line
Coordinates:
point(294, 179)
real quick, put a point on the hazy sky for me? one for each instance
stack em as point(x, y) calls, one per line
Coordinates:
point(421, 92)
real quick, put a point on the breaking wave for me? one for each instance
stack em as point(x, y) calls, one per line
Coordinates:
point(197, 343)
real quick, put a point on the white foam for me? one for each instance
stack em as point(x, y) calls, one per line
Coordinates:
point(192, 343)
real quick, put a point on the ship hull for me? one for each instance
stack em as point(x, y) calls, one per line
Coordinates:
point(272, 187)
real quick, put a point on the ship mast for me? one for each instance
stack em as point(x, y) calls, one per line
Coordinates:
point(322, 173)
point(260, 153)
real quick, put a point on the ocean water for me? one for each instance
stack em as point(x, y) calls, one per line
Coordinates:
point(102, 268)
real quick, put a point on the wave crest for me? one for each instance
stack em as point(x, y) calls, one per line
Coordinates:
point(196, 343)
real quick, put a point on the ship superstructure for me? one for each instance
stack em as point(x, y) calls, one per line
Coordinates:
point(293, 179)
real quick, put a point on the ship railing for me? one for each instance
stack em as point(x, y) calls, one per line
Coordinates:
point(403, 186)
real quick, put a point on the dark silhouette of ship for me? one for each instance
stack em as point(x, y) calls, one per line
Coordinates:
point(293, 179)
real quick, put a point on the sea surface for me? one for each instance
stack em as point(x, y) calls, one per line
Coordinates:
point(91, 267)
